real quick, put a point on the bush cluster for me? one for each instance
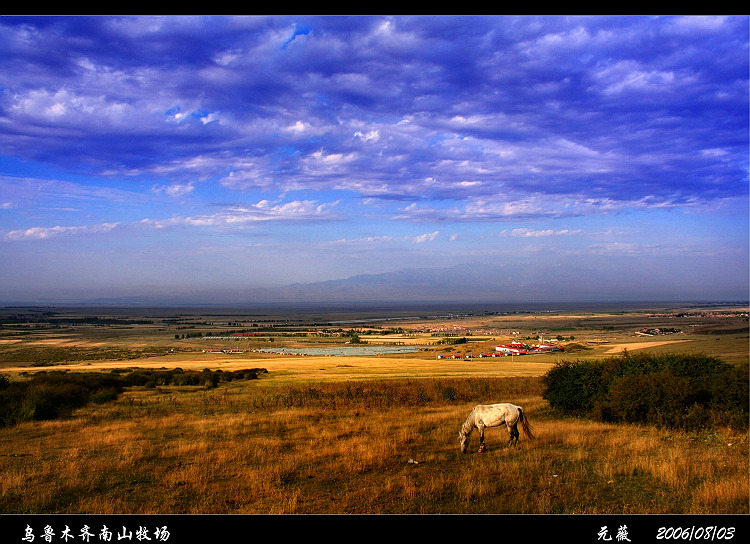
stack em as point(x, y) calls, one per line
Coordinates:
point(376, 394)
point(205, 378)
point(51, 395)
point(682, 391)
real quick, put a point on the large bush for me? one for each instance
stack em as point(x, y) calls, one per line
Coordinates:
point(574, 387)
point(50, 395)
point(685, 391)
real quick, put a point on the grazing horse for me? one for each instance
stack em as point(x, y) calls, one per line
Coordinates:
point(494, 415)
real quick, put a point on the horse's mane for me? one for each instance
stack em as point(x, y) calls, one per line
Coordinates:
point(468, 425)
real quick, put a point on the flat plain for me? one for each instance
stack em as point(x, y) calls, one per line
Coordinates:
point(353, 433)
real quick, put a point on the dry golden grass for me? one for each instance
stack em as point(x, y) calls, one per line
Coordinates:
point(307, 439)
point(252, 447)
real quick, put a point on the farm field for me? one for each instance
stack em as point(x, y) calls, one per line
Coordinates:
point(352, 433)
point(80, 338)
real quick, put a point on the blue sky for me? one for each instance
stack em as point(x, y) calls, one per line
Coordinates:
point(163, 155)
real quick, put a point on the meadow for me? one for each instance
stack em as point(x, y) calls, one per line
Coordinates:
point(357, 434)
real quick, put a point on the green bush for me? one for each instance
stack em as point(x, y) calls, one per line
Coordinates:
point(574, 387)
point(50, 395)
point(686, 391)
point(449, 394)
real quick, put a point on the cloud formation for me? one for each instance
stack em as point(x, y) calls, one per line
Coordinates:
point(303, 131)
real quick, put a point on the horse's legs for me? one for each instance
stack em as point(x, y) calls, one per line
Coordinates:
point(513, 432)
point(481, 437)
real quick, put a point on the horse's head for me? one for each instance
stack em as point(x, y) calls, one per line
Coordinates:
point(463, 439)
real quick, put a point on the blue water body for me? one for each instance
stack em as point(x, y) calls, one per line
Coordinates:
point(343, 351)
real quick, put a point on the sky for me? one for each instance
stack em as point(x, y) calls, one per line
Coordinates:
point(175, 155)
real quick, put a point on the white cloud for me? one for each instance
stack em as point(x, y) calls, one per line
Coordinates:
point(262, 211)
point(429, 237)
point(74, 109)
point(370, 136)
point(43, 233)
point(299, 128)
point(529, 233)
point(629, 75)
point(176, 190)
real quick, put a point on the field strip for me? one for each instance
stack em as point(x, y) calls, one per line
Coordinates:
point(322, 368)
point(640, 345)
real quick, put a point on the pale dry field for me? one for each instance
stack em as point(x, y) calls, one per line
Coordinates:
point(286, 369)
point(618, 348)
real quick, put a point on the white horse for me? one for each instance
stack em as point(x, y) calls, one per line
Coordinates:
point(494, 415)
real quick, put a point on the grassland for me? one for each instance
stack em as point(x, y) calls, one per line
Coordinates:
point(353, 434)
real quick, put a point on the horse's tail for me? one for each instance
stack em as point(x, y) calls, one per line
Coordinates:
point(525, 424)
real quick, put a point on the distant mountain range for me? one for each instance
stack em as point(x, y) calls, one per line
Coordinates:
point(523, 283)
point(459, 283)
point(462, 282)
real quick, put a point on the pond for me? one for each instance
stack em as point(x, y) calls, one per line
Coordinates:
point(343, 351)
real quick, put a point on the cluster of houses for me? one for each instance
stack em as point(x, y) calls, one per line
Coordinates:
point(518, 348)
point(506, 350)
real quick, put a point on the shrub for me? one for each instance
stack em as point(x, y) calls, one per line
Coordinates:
point(449, 394)
point(50, 395)
point(573, 387)
point(43, 397)
point(685, 391)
